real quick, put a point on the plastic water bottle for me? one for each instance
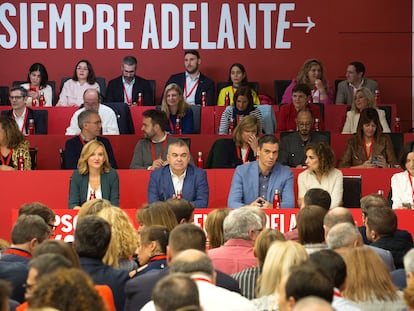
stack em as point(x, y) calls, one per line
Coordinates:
point(203, 99)
point(20, 162)
point(231, 126)
point(178, 129)
point(397, 126)
point(276, 199)
point(31, 127)
point(316, 125)
point(42, 100)
point(377, 98)
point(200, 162)
point(227, 100)
point(139, 99)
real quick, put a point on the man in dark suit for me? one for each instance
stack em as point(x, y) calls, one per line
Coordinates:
point(23, 115)
point(90, 124)
point(179, 178)
point(193, 82)
point(185, 236)
point(92, 237)
point(125, 88)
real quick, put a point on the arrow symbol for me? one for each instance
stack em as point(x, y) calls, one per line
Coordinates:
point(309, 25)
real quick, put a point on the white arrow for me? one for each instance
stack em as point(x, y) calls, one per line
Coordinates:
point(309, 25)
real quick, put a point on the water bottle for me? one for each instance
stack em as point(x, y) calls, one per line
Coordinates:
point(203, 99)
point(377, 98)
point(178, 129)
point(381, 192)
point(139, 99)
point(31, 127)
point(200, 162)
point(316, 125)
point(231, 126)
point(42, 100)
point(397, 126)
point(276, 199)
point(227, 100)
point(20, 162)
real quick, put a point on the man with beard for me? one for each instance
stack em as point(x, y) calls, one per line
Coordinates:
point(151, 151)
point(292, 146)
point(193, 82)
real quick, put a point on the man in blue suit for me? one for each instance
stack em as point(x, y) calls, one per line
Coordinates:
point(255, 183)
point(179, 179)
point(193, 82)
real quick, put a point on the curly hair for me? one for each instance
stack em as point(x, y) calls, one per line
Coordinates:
point(123, 238)
point(182, 105)
point(92, 207)
point(13, 135)
point(325, 155)
point(87, 152)
point(67, 289)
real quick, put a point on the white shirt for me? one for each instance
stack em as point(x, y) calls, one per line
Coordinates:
point(332, 182)
point(190, 89)
point(178, 181)
point(108, 117)
point(128, 89)
point(401, 189)
point(352, 118)
point(20, 120)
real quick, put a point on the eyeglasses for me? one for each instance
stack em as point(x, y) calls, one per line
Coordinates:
point(53, 227)
point(304, 124)
point(15, 97)
point(96, 122)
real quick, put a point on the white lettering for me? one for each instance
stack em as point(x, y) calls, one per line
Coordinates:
point(149, 31)
point(36, 25)
point(267, 9)
point(104, 24)
point(168, 10)
point(187, 26)
point(205, 44)
point(23, 25)
point(282, 24)
point(11, 42)
point(60, 23)
point(225, 28)
point(246, 25)
point(292, 222)
point(123, 25)
point(83, 22)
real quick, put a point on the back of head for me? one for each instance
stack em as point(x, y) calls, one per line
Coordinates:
point(382, 220)
point(258, 211)
point(239, 223)
point(310, 224)
point(92, 237)
point(5, 292)
point(47, 263)
point(359, 67)
point(214, 226)
point(337, 215)
point(309, 280)
point(303, 88)
point(263, 242)
point(373, 199)
point(92, 207)
point(317, 196)
point(176, 292)
point(313, 304)
point(67, 289)
point(58, 247)
point(157, 213)
point(183, 209)
point(332, 263)
point(29, 227)
point(409, 294)
point(192, 261)
point(158, 234)
point(343, 235)
point(37, 208)
point(409, 261)
point(187, 236)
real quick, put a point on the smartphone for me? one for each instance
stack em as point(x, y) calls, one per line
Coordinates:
point(374, 160)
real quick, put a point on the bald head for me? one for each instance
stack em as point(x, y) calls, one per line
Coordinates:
point(337, 215)
point(192, 261)
point(91, 99)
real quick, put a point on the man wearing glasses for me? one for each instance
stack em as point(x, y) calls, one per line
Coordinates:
point(90, 124)
point(23, 114)
point(292, 146)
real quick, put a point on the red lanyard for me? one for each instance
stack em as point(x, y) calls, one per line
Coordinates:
point(25, 119)
point(8, 158)
point(17, 252)
point(164, 143)
point(411, 184)
point(239, 154)
point(368, 152)
point(157, 257)
point(202, 279)
point(172, 127)
point(187, 95)
point(82, 140)
point(129, 100)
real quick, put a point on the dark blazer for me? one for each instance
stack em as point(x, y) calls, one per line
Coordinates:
point(78, 188)
point(115, 91)
point(73, 148)
point(102, 274)
point(39, 116)
point(223, 154)
point(187, 123)
point(205, 85)
point(195, 187)
point(139, 290)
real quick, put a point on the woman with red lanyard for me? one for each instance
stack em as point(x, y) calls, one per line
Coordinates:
point(369, 147)
point(12, 145)
point(402, 183)
point(229, 153)
point(179, 113)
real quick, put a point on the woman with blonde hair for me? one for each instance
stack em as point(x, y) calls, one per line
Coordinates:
point(123, 239)
point(177, 110)
point(363, 98)
point(94, 178)
point(92, 207)
point(281, 256)
point(156, 213)
point(368, 282)
point(214, 227)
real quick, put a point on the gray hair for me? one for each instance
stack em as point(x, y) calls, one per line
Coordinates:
point(342, 235)
point(83, 117)
point(239, 222)
point(201, 264)
point(409, 261)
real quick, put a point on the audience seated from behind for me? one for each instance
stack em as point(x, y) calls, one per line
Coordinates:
point(127, 87)
point(301, 97)
point(22, 114)
point(355, 80)
point(401, 183)
point(310, 228)
point(90, 124)
point(229, 153)
point(177, 111)
point(362, 99)
point(156, 214)
point(92, 101)
point(213, 226)
point(37, 84)
point(368, 147)
point(243, 107)
point(83, 78)
point(237, 78)
point(292, 146)
point(402, 276)
point(193, 82)
point(12, 144)
point(182, 209)
point(312, 73)
point(321, 173)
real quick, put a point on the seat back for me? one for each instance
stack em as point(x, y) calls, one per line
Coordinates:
point(33, 157)
point(397, 140)
point(268, 117)
point(62, 158)
point(324, 133)
point(388, 113)
point(41, 116)
point(352, 191)
point(253, 85)
point(51, 83)
point(153, 86)
point(123, 117)
point(216, 152)
point(4, 95)
point(196, 118)
point(279, 87)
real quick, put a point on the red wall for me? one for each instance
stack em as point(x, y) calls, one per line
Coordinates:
point(378, 33)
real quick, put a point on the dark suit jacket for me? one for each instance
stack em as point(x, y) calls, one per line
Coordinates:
point(138, 290)
point(205, 85)
point(223, 154)
point(115, 91)
point(39, 116)
point(102, 274)
point(195, 187)
point(78, 188)
point(73, 148)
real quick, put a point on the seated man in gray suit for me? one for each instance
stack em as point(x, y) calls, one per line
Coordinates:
point(355, 79)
